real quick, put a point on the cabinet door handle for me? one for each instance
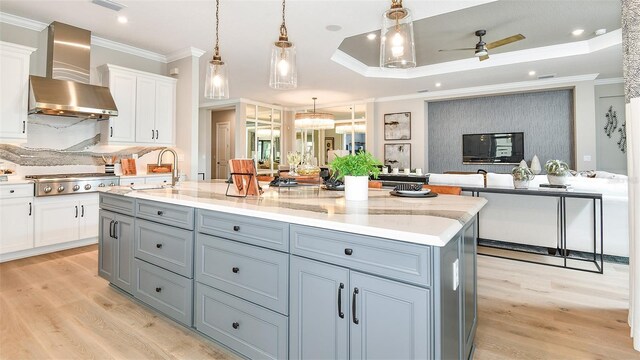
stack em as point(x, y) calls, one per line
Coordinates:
point(11, 191)
point(111, 229)
point(153, 134)
point(157, 135)
point(111, 131)
point(115, 230)
point(76, 211)
point(353, 306)
point(24, 127)
point(30, 209)
point(340, 313)
point(158, 289)
point(235, 270)
point(159, 246)
point(82, 212)
point(236, 228)
point(235, 325)
point(160, 213)
point(348, 251)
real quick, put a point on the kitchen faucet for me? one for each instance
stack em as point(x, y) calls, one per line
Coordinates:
point(174, 175)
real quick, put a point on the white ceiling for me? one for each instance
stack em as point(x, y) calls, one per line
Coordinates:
point(248, 28)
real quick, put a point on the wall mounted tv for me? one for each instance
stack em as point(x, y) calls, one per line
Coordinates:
point(495, 148)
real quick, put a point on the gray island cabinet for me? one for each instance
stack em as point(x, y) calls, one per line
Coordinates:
point(272, 289)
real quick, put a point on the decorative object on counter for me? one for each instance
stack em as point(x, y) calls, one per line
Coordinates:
point(356, 169)
point(536, 168)
point(523, 164)
point(308, 166)
point(128, 166)
point(216, 84)
point(293, 159)
point(244, 178)
point(397, 155)
point(7, 169)
point(283, 73)
point(557, 172)
point(159, 169)
point(314, 120)
point(397, 126)
point(109, 164)
point(521, 177)
point(397, 47)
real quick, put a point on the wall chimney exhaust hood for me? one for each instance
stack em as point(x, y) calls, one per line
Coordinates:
point(66, 91)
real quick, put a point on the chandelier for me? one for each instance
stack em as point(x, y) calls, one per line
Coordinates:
point(314, 120)
point(397, 48)
point(351, 128)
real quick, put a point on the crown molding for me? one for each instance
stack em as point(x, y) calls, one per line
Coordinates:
point(183, 53)
point(113, 45)
point(609, 81)
point(22, 22)
point(567, 81)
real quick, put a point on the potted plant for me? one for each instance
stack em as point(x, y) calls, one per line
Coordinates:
point(355, 169)
point(521, 177)
point(557, 172)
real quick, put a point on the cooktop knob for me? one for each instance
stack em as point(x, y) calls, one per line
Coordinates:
point(60, 188)
point(47, 189)
point(87, 187)
point(76, 187)
point(101, 185)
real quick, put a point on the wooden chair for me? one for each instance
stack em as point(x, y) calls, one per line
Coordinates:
point(375, 184)
point(442, 189)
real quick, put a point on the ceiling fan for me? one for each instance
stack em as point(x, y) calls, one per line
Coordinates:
point(482, 48)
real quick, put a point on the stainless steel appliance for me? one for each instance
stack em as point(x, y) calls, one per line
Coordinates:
point(64, 184)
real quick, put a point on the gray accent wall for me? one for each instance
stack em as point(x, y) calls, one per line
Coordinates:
point(545, 118)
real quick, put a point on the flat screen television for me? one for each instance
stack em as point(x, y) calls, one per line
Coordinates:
point(494, 148)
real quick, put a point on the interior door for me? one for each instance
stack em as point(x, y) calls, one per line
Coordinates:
point(223, 149)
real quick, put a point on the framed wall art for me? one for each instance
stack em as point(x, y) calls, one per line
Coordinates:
point(329, 145)
point(397, 126)
point(397, 155)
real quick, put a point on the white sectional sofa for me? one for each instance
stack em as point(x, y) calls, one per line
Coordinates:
point(533, 220)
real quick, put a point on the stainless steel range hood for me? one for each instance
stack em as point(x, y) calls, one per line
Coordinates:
point(66, 91)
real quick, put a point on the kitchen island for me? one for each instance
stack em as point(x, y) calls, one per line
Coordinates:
point(300, 272)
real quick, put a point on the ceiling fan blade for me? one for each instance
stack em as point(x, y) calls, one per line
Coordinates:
point(457, 49)
point(484, 57)
point(505, 41)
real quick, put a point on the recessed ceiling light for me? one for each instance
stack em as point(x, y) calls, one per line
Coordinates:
point(577, 32)
point(122, 19)
point(601, 32)
point(372, 36)
point(531, 73)
point(438, 84)
point(333, 27)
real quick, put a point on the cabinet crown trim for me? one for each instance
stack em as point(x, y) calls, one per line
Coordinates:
point(109, 67)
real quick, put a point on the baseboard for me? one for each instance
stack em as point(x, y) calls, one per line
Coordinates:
point(47, 249)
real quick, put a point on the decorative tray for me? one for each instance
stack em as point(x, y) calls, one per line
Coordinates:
point(416, 195)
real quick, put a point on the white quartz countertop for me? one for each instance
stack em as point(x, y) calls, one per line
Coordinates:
point(144, 175)
point(428, 221)
point(16, 181)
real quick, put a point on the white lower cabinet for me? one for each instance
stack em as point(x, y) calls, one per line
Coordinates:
point(16, 224)
point(60, 219)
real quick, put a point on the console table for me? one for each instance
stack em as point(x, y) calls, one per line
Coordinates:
point(562, 196)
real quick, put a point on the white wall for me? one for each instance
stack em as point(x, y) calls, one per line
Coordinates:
point(610, 157)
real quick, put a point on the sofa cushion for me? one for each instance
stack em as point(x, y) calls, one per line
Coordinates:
point(475, 180)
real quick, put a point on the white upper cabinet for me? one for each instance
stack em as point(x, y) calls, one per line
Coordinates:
point(146, 107)
point(14, 90)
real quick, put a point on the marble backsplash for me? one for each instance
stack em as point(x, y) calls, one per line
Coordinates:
point(67, 145)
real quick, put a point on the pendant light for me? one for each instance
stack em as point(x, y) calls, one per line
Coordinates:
point(283, 74)
point(397, 48)
point(216, 84)
point(314, 120)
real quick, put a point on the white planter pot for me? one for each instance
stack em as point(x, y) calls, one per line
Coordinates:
point(356, 188)
point(557, 180)
point(520, 184)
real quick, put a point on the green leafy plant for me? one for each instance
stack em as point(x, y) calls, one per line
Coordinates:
point(521, 173)
point(556, 168)
point(360, 164)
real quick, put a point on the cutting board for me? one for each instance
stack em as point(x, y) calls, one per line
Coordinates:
point(244, 183)
point(128, 166)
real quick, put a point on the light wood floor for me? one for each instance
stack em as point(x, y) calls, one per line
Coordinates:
point(56, 307)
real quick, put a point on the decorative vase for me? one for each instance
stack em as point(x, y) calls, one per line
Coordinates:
point(535, 165)
point(557, 180)
point(520, 184)
point(523, 164)
point(356, 188)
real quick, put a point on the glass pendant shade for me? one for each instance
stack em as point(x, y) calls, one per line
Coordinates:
point(397, 47)
point(349, 128)
point(216, 84)
point(283, 74)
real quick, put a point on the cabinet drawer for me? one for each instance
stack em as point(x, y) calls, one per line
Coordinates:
point(165, 246)
point(16, 191)
point(174, 215)
point(250, 272)
point(131, 181)
point(267, 233)
point(117, 203)
point(390, 258)
point(167, 292)
point(158, 179)
point(249, 329)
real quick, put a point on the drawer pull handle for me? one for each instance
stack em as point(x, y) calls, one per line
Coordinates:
point(235, 270)
point(340, 313)
point(236, 228)
point(348, 251)
point(235, 325)
point(158, 289)
point(111, 229)
point(30, 209)
point(160, 212)
point(159, 246)
point(12, 191)
point(353, 306)
point(115, 229)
